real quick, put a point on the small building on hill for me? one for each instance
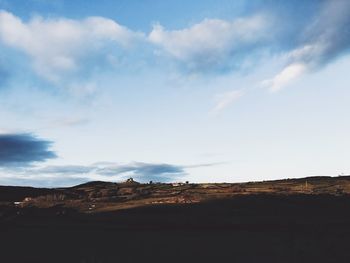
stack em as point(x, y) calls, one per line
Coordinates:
point(130, 180)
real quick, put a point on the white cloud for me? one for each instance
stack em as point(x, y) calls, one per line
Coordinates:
point(226, 99)
point(285, 77)
point(211, 42)
point(56, 45)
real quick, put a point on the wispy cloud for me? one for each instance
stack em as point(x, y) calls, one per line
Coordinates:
point(285, 77)
point(224, 100)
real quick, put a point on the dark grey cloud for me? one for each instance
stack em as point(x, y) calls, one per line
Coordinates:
point(328, 35)
point(18, 150)
point(142, 172)
point(306, 40)
point(314, 32)
point(69, 175)
point(318, 30)
point(145, 171)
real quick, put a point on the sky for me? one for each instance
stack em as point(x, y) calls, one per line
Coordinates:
point(171, 91)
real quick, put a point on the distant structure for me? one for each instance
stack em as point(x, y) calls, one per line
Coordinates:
point(130, 180)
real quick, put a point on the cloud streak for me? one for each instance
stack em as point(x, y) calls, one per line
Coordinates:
point(224, 100)
point(285, 77)
point(17, 150)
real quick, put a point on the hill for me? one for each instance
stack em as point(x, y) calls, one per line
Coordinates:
point(293, 220)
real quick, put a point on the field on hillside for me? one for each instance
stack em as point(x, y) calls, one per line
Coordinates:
point(105, 196)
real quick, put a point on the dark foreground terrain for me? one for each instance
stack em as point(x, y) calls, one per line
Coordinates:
point(301, 220)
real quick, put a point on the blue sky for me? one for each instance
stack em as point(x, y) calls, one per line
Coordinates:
point(206, 91)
